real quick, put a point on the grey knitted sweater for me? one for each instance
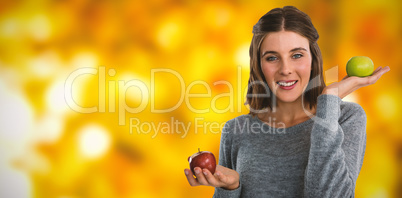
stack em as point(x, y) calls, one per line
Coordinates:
point(320, 157)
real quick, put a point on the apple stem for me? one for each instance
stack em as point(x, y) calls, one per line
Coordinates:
point(199, 150)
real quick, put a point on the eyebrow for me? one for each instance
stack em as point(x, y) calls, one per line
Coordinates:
point(292, 50)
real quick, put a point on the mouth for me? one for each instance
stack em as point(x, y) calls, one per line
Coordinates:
point(287, 85)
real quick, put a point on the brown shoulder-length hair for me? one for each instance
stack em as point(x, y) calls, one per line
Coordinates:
point(259, 96)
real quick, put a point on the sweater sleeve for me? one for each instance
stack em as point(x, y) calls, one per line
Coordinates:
point(338, 141)
point(225, 159)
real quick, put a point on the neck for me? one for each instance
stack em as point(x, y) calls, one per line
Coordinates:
point(288, 113)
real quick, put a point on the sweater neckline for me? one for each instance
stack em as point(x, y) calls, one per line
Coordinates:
point(291, 129)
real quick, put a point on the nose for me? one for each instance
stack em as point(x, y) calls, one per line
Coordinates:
point(286, 68)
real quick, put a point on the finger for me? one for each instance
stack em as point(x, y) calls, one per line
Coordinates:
point(386, 69)
point(381, 70)
point(369, 80)
point(378, 68)
point(345, 77)
point(229, 181)
point(211, 178)
point(222, 178)
point(365, 81)
point(191, 180)
point(200, 176)
point(372, 79)
point(376, 71)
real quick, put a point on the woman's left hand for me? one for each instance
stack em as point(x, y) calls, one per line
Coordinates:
point(351, 83)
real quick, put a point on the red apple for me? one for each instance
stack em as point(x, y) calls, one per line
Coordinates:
point(202, 159)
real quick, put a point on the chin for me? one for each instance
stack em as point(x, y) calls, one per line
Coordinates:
point(288, 98)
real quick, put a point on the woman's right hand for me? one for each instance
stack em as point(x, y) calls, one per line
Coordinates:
point(223, 177)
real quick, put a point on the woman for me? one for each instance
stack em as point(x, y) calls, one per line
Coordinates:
point(300, 139)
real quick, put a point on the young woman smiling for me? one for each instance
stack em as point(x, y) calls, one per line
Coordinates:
point(319, 152)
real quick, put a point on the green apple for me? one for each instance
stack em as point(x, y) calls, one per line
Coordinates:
point(360, 66)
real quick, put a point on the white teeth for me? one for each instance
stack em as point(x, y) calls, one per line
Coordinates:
point(286, 84)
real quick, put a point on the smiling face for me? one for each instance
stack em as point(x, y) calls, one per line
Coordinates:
point(286, 64)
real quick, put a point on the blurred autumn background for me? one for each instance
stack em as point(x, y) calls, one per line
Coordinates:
point(109, 98)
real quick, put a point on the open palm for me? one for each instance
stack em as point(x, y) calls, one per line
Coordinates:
point(223, 177)
point(351, 83)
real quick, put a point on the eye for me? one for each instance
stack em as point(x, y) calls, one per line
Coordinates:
point(271, 58)
point(296, 56)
